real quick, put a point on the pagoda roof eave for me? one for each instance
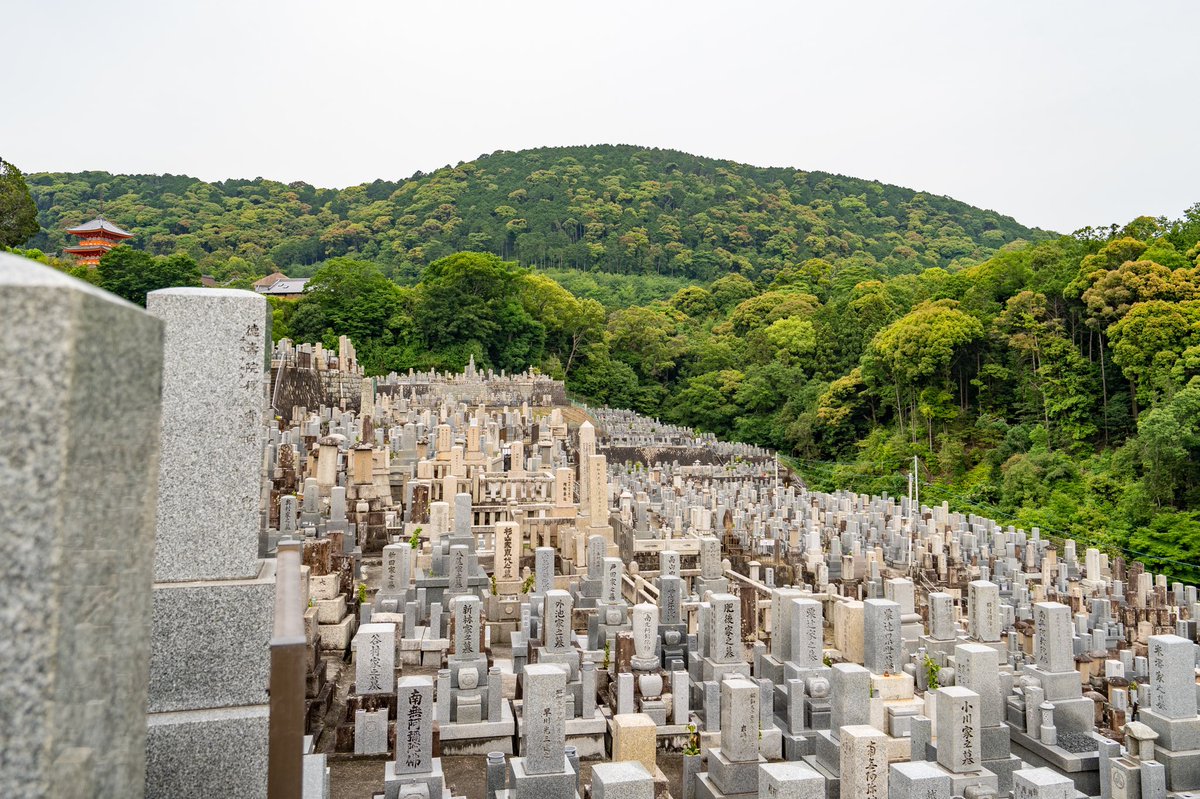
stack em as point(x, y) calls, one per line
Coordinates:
point(100, 225)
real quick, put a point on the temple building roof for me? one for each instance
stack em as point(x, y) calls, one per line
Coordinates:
point(98, 225)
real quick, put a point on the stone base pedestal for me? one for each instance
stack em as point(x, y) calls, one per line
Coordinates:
point(480, 737)
point(434, 781)
point(202, 753)
point(207, 734)
point(717, 585)
point(529, 786)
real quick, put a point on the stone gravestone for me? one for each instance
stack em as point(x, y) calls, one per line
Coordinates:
point(850, 687)
point(941, 616)
point(645, 636)
point(415, 766)
point(459, 570)
point(1052, 649)
point(958, 724)
point(977, 668)
point(611, 589)
point(733, 766)
point(1172, 676)
point(396, 569)
point(414, 725)
point(80, 378)
point(808, 633)
point(544, 770)
point(983, 611)
point(864, 762)
point(558, 609)
point(725, 636)
point(508, 553)
point(670, 595)
point(213, 598)
point(790, 781)
point(622, 780)
point(466, 626)
point(370, 732)
point(882, 645)
point(543, 570)
point(545, 723)
point(375, 659)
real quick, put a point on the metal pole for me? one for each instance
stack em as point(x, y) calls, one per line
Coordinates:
point(285, 754)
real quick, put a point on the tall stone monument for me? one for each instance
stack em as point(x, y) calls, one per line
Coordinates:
point(213, 597)
point(80, 373)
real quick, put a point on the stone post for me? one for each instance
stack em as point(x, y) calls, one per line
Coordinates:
point(213, 597)
point(80, 380)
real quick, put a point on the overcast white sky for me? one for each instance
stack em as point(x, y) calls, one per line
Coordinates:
point(1061, 114)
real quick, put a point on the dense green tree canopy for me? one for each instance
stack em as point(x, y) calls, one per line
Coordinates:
point(606, 209)
point(1048, 381)
point(133, 274)
point(18, 212)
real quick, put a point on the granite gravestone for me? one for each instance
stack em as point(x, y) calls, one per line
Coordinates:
point(213, 598)
point(882, 645)
point(375, 659)
point(958, 729)
point(983, 611)
point(80, 385)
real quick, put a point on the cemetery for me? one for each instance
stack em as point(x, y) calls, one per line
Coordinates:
point(245, 569)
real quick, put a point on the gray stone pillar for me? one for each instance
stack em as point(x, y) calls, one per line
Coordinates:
point(213, 596)
point(80, 379)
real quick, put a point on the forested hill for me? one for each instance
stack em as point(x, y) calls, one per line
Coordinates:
point(617, 209)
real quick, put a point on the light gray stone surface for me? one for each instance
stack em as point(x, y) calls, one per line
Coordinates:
point(807, 634)
point(670, 598)
point(790, 781)
point(725, 635)
point(316, 777)
point(958, 723)
point(375, 659)
point(543, 571)
point(941, 616)
point(370, 732)
point(977, 667)
point(849, 695)
point(1052, 649)
point(1042, 783)
point(919, 780)
point(863, 763)
point(213, 598)
point(544, 722)
point(739, 719)
point(882, 648)
point(556, 615)
point(983, 610)
point(623, 780)
point(80, 379)
point(212, 432)
point(1172, 676)
point(185, 752)
point(466, 626)
point(414, 725)
point(211, 643)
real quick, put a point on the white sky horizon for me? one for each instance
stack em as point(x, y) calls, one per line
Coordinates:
point(1060, 115)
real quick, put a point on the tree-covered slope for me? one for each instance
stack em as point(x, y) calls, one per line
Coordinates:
point(618, 209)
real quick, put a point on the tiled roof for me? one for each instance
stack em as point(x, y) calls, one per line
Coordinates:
point(100, 223)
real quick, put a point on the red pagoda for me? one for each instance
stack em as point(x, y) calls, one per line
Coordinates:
point(97, 237)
